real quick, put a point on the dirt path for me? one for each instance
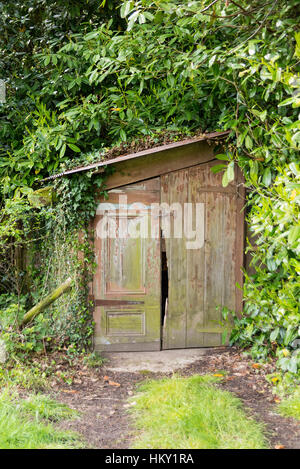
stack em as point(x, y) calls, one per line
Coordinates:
point(101, 397)
point(104, 421)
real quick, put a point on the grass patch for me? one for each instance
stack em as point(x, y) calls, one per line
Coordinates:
point(27, 377)
point(25, 423)
point(187, 413)
point(145, 372)
point(94, 360)
point(290, 406)
point(43, 407)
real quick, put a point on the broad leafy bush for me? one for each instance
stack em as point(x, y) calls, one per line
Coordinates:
point(151, 66)
point(272, 309)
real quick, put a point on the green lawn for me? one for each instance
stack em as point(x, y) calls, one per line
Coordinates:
point(26, 423)
point(290, 407)
point(186, 413)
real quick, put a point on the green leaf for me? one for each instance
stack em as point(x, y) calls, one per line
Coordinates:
point(142, 18)
point(225, 181)
point(267, 177)
point(251, 48)
point(274, 334)
point(62, 150)
point(293, 100)
point(74, 147)
point(294, 234)
point(295, 168)
point(253, 170)
point(249, 142)
point(148, 15)
point(224, 336)
point(263, 115)
point(91, 35)
point(212, 60)
point(228, 176)
point(217, 168)
point(123, 135)
point(290, 335)
point(132, 19)
point(125, 9)
point(293, 365)
point(222, 156)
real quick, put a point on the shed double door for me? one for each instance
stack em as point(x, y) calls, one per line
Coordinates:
point(127, 285)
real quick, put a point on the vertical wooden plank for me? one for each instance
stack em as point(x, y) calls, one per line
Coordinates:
point(175, 191)
point(230, 253)
point(214, 265)
point(196, 266)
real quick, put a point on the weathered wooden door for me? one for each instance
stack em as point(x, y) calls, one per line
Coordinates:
point(126, 287)
point(203, 278)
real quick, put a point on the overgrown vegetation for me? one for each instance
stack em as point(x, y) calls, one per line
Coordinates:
point(85, 77)
point(192, 413)
point(271, 320)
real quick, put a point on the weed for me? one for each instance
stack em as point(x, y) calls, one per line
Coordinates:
point(94, 360)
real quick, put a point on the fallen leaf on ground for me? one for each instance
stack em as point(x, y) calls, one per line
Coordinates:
point(256, 365)
point(69, 391)
point(112, 383)
point(106, 378)
point(218, 375)
point(277, 400)
point(279, 446)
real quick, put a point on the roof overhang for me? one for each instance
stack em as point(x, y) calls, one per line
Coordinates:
point(101, 165)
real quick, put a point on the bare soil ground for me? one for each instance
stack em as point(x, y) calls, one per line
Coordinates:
point(101, 396)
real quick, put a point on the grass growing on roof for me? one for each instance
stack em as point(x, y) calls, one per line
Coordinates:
point(24, 423)
point(186, 413)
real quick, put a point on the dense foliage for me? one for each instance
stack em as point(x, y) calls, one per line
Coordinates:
point(95, 77)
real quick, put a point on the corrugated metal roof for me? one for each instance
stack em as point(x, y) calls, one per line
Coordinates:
point(149, 151)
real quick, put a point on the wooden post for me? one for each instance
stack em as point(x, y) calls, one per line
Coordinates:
point(33, 312)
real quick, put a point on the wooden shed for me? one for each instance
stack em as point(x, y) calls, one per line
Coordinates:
point(165, 290)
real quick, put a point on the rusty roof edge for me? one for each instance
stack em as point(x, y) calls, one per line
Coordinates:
point(146, 152)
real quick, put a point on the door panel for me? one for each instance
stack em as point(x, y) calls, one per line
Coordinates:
point(127, 282)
